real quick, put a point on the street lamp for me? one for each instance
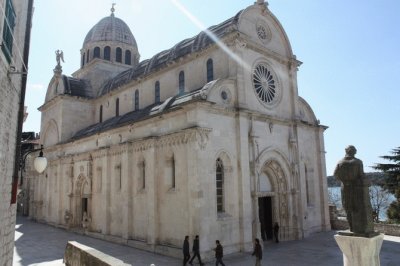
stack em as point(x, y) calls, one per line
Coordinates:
point(40, 162)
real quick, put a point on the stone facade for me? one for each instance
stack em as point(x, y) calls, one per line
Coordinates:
point(201, 139)
point(11, 61)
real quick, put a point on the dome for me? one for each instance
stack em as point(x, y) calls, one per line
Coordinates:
point(110, 29)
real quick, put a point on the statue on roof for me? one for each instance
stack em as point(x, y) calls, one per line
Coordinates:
point(59, 57)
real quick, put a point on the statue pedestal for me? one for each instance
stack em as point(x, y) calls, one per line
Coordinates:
point(360, 251)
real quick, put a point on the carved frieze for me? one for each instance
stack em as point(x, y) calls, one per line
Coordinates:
point(197, 135)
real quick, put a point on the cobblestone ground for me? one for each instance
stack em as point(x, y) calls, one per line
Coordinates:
point(39, 244)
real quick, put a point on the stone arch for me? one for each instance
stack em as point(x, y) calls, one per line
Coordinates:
point(273, 180)
point(51, 134)
point(226, 159)
point(305, 112)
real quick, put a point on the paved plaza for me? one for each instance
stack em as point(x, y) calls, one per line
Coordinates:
point(39, 244)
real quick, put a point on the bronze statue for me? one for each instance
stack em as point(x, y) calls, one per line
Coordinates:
point(355, 194)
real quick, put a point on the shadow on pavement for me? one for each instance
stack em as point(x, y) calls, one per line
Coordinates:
point(40, 244)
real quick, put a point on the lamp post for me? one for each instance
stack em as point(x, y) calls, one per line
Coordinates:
point(40, 162)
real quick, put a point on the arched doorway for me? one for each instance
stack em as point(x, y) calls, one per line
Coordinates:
point(82, 199)
point(272, 199)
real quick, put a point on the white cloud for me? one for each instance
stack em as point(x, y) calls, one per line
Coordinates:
point(35, 87)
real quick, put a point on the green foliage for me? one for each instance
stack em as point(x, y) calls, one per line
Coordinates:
point(392, 182)
point(393, 212)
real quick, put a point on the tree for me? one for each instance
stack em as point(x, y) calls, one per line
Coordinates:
point(334, 198)
point(379, 200)
point(392, 182)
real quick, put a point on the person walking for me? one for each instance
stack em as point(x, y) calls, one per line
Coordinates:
point(276, 232)
point(196, 251)
point(185, 249)
point(257, 252)
point(219, 253)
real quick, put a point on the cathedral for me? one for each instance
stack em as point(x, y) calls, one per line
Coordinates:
point(208, 138)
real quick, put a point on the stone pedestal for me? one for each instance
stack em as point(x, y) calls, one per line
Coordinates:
point(360, 251)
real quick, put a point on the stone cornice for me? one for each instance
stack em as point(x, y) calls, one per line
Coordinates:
point(100, 153)
point(52, 102)
point(197, 135)
point(119, 149)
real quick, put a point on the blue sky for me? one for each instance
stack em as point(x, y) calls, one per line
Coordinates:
point(351, 64)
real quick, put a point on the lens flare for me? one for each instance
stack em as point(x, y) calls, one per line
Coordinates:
point(218, 42)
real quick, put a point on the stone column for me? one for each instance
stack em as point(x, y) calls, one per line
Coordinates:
point(107, 193)
point(360, 251)
point(125, 189)
point(247, 150)
point(151, 193)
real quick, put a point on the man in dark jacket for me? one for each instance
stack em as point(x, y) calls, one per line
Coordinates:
point(196, 250)
point(276, 232)
point(257, 252)
point(219, 253)
point(185, 249)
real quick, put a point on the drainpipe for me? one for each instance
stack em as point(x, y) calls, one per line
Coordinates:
point(17, 157)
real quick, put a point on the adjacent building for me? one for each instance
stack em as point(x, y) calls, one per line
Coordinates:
point(15, 23)
point(209, 138)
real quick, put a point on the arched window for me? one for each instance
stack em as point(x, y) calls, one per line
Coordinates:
point(219, 178)
point(117, 107)
point(210, 70)
point(107, 53)
point(310, 190)
point(169, 172)
point(101, 114)
point(173, 180)
point(87, 56)
point(137, 100)
point(142, 169)
point(157, 92)
point(128, 57)
point(181, 82)
point(96, 52)
point(118, 55)
point(83, 60)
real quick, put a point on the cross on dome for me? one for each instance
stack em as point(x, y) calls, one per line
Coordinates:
point(112, 9)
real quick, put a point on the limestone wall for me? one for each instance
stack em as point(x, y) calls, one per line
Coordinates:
point(8, 125)
point(77, 254)
point(10, 85)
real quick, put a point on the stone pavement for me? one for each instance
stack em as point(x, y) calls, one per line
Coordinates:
point(39, 244)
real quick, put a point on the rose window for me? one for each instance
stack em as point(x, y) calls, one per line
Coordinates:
point(264, 84)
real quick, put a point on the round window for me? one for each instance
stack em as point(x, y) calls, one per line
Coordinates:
point(263, 31)
point(224, 95)
point(265, 84)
